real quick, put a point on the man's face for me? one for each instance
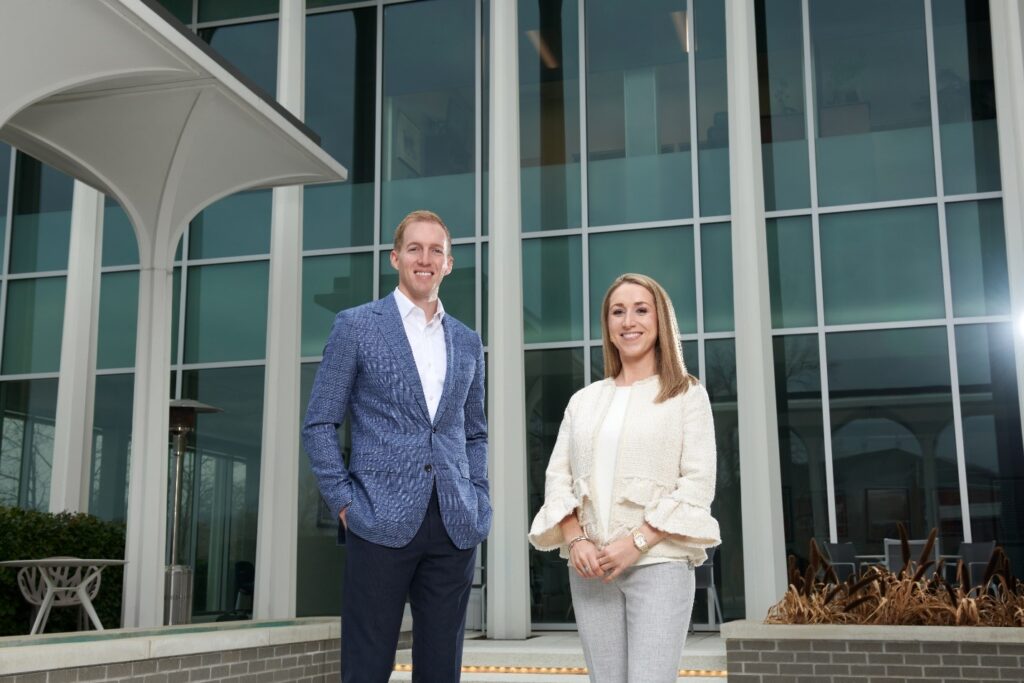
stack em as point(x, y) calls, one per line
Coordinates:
point(422, 260)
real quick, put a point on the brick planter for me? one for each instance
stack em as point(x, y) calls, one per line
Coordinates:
point(760, 653)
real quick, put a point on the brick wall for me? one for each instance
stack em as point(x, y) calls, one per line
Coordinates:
point(311, 662)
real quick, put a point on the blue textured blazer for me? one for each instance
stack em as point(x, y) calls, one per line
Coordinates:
point(398, 453)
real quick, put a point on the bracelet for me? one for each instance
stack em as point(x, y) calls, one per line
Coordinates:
point(577, 540)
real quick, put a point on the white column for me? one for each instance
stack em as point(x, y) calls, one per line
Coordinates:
point(764, 549)
point(1008, 66)
point(508, 590)
point(276, 540)
point(72, 438)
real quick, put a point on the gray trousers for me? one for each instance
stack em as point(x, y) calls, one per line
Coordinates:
point(633, 629)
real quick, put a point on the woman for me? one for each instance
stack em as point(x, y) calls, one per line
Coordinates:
point(628, 491)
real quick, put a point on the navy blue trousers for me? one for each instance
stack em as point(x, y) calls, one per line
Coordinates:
point(435, 575)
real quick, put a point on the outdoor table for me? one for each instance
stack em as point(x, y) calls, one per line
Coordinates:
point(56, 574)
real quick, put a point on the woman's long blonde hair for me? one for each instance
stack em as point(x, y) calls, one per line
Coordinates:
point(668, 352)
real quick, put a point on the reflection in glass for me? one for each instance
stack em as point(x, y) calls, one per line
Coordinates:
point(120, 248)
point(992, 435)
point(181, 9)
point(331, 284)
point(712, 107)
point(638, 113)
point(111, 438)
point(341, 72)
point(429, 118)
point(549, 115)
point(27, 409)
point(552, 377)
point(977, 258)
point(780, 72)
point(801, 442)
point(457, 290)
point(966, 96)
point(552, 289)
point(881, 265)
point(220, 325)
point(238, 225)
point(217, 10)
point(33, 325)
point(716, 273)
point(119, 309)
point(251, 48)
point(41, 227)
point(791, 272)
point(5, 182)
point(890, 400)
point(666, 254)
point(872, 101)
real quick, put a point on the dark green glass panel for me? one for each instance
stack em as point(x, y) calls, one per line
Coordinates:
point(27, 411)
point(791, 272)
point(780, 73)
point(41, 228)
point(801, 442)
point(119, 305)
point(341, 72)
point(33, 325)
point(429, 116)
point(552, 377)
point(313, 4)
point(881, 265)
point(993, 453)
point(181, 9)
point(549, 115)
point(977, 258)
point(221, 325)
point(966, 96)
point(873, 119)
point(238, 225)
point(552, 289)
point(638, 112)
point(712, 107)
point(111, 439)
point(175, 313)
point(217, 10)
point(120, 248)
point(225, 476)
point(331, 284)
point(716, 272)
point(665, 254)
point(458, 289)
point(889, 400)
point(251, 48)
point(5, 183)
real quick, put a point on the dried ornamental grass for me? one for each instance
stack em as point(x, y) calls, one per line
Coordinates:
point(917, 595)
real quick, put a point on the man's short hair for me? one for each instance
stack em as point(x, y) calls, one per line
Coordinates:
point(426, 217)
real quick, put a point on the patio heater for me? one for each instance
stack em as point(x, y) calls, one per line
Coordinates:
point(178, 577)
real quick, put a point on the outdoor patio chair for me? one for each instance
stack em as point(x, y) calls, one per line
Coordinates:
point(975, 557)
point(704, 579)
point(894, 553)
point(843, 558)
point(66, 581)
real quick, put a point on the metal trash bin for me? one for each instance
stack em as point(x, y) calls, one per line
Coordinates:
point(177, 594)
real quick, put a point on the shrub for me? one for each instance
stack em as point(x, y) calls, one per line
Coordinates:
point(28, 534)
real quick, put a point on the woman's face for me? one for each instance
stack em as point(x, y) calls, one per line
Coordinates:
point(632, 321)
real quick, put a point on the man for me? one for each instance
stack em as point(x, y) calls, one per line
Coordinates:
point(413, 501)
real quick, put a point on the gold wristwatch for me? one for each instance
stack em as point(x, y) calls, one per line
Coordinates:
point(640, 542)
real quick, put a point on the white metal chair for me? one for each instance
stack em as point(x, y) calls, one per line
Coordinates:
point(47, 587)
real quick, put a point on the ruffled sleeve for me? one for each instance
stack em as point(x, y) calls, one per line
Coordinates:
point(559, 497)
point(686, 510)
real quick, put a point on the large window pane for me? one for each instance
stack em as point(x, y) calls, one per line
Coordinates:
point(120, 248)
point(5, 182)
point(992, 435)
point(552, 377)
point(716, 273)
point(27, 411)
point(977, 258)
point(119, 306)
point(429, 126)
point(780, 72)
point(42, 217)
point(666, 254)
point(874, 139)
point(881, 265)
point(341, 73)
point(801, 442)
point(238, 225)
point(549, 114)
point(251, 48)
point(331, 284)
point(220, 325)
point(111, 438)
point(638, 112)
point(966, 96)
point(889, 397)
point(457, 290)
point(181, 9)
point(791, 272)
point(552, 289)
point(33, 325)
point(712, 107)
point(216, 10)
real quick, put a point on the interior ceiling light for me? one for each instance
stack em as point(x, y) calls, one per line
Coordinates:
point(542, 48)
point(679, 22)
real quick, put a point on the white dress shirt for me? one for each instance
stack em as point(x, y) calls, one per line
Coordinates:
point(426, 339)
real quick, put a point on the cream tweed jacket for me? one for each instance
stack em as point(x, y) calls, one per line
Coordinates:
point(664, 472)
